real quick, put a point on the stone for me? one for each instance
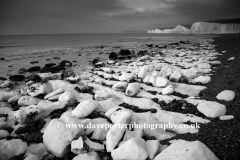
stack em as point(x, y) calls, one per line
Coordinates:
point(50, 76)
point(37, 149)
point(146, 79)
point(113, 56)
point(132, 89)
point(175, 76)
point(162, 82)
point(204, 66)
point(152, 80)
point(126, 77)
point(39, 89)
point(184, 150)
point(57, 137)
point(53, 93)
point(7, 84)
point(182, 54)
point(34, 69)
point(137, 133)
point(14, 99)
point(124, 52)
point(121, 116)
point(134, 149)
point(29, 156)
point(226, 95)
point(85, 108)
point(202, 79)
point(231, 58)
point(27, 114)
point(67, 97)
point(22, 70)
point(153, 148)
point(99, 128)
point(168, 90)
point(101, 95)
point(88, 156)
point(211, 109)
point(11, 148)
point(65, 63)
point(3, 134)
point(226, 117)
point(120, 86)
point(97, 63)
point(145, 71)
point(83, 145)
point(27, 101)
point(17, 78)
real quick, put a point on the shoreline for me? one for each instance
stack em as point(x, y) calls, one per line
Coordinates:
point(213, 134)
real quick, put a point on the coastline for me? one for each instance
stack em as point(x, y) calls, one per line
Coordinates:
point(212, 134)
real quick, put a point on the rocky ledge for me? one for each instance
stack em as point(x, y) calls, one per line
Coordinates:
point(160, 88)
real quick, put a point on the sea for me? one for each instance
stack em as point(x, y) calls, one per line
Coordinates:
point(20, 50)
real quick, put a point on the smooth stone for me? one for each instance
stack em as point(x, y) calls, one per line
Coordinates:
point(132, 89)
point(175, 76)
point(17, 78)
point(37, 149)
point(27, 101)
point(211, 109)
point(88, 156)
point(162, 82)
point(134, 149)
point(153, 148)
point(152, 80)
point(204, 66)
point(67, 97)
point(39, 88)
point(147, 78)
point(11, 148)
point(168, 90)
point(85, 108)
point(226, 95)
point(3, 134)
point(29, 156)
point(137, 133)
point(120, 86)
point(184, 150)
point(57, 137)
point(14, 99)
point(231, 58)
point(226, 117)
point(101, 95)
point(202, 79)
point(121, 116)
point(144, 71)
point(126, 77)
point(53, 93)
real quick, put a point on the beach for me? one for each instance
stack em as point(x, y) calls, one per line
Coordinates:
point(122, 79)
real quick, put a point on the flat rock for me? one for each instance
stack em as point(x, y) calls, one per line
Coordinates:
point(226, 95)
point(184, 150)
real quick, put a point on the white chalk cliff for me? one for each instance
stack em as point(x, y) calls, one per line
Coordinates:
point(202, 28)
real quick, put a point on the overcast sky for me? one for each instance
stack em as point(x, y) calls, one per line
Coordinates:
point(106, 16)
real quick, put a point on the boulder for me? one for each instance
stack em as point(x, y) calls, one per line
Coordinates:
point(175, 76)
point(168, 90)
point(27, 101)
point(39, 89)
point(113, 56)
point(211, 109)
point(202, 79)
point(85, 108)
point(226, 95)
point(88, 156)
point(17, 78)
point(34, 69)
point(11, 148)
point(120, 86)
point(184, 150)
point(57, 137)
point(132, 89)
point(134, 149)
point(162, 82)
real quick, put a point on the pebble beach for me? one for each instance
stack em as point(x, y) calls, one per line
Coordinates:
point(188, 84)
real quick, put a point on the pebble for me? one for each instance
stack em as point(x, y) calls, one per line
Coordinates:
point(226, 95)
point(3, 134)
point(168, 90)
point(226, 117)
point(162, 82)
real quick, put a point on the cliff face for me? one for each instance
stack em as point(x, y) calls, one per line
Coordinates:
point(214, 28)
point(202, 28)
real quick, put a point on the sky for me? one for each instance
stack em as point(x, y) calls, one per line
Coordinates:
point(107, 16)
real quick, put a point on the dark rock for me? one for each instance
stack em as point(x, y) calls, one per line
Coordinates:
point(85, 89)
point(17, 78)
point(34, 69)
point(67, 73)
point(33, 62)
point(9, 129)
point(3, 78)
point(57, 69)
point(74, 61)
point(3, 115)
point(56, 58)
point(22, 71)
point(79, 54)
point(124, 52)
point(48, 59)
point(113, 56)
point(21, 130)
point(97, 63)
point(33, 77)
point(65, 63)
point(2, 59)
point(50, 64)
point(142, 53)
